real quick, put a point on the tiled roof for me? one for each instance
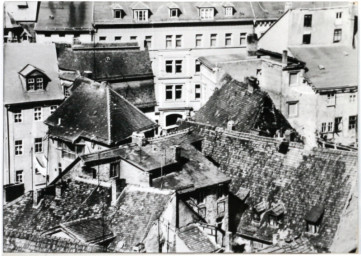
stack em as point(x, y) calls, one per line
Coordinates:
point(40, 56)
point(140, 93)
point(65, 16)
point(248, 110)
point(109, 119)
point(300, 179)
point(301, 245)
point(136, 210)
point(105, 64)
point(329, 66)
point(78, 200)
point(21, 241)
point(196, 240)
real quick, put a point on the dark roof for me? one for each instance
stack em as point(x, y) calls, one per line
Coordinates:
point(133, 216)
point(22, 241)
point(140, 93)
point(43, 57)
point(188, 12)
point(106, 65)
point(89, 229)
point(300, 245)
point(300, 179)
point(315, 213)
point(196, 240)
point(65, 16)
point(248, 111)
point(109, 119)
point(329, 66)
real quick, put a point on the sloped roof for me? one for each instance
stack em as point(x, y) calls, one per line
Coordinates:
point(29, 69)
point(340, 65)
point(301, 245)
point(106, 65)
point(65, 16)
point(40, 56)
point(109, 119)
point(196, 240)
point(311, 177)
point(28, 14)
point(136, 210)
point(248, 110)
point(22, 241)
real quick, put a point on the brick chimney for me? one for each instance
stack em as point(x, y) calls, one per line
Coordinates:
point(117, 187)
point(138, 138)
point(252, 44)
point(252, 84)
point(175, 152)
point(284, 57)
point(230, 125)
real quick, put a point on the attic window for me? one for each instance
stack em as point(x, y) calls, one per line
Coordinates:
point(118, 13)
point(173, 12)
point(35, 83)
point(313, 219)
point(229, 11)
point(140, 15)
point(206, 13)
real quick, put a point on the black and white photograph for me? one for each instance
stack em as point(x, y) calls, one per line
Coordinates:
point(180, 127)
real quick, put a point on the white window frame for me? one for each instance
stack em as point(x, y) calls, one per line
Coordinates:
point(18, 116)
point(228, 39)
point(206, 13)
point(133, 38)
point(330, 127)
point(199, 40)
point(39, 85)
point(38, 145)
point(115, 11)
point(174, 88)
point(18, 144)
point(178, 41)
point(169, 41)
point(338, 15)
point(173, 12)
point(38, 114)
point(323, 127)
point(174, 64)
point(140, 15)
point(148, 40)
point(213, 40)
point(31, 84)
point(197, 91)
point(242, 38)
point(331, 99)
point(337, 37)
point(19, 178)
point(53, 109)
point(290, 80)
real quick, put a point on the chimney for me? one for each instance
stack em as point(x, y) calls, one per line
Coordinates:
point(59, 121)
point(58, 190)
point(284, 57)
point(230, 125)
point(252, 44)
point(138, 138)
point(36, 198)
point(175, 152)
point(88, 74)
point(117, 187)
point(252, 84)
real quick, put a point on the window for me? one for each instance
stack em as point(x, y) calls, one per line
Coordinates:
point(331, 99)
point(206, 13)
point(338, 15)
point(307, 22)
point(141, 15)
point(60, 169)
point(178, 41)
point(312, 228)
point(102, 38)
point(79, 149)
point(202, 212)
point(169, 66)
point(37, 114)
point(19, 177)
point(213, 40)
point(117, 13)
point(178, 66)
point(293, 78)
point(330, 126)
point(18, 147)
point(338, 124)
point(66, 91)
point(117, 38)
point(178, 92)
point(352, 122)
point(39, 83)
point(173, 12)
point(173, 66)
point(148, 42)
point(229, 11)
point(337, 35)
point(221, 207)
point(133, 38)
point(242, 38)
point(352, 97)
point(199, 40)
point(114, 169)
point(52, 109)
point(198, 66)
point(168, 41)
point(292, 109)
point(228, 39)
point(306, 39)
point(197, 91)
point(323, 127)
point(169, 92)
point(201, 197)
point(38, 145)
point(31, 83)
point(220, 192)
point(18, 118)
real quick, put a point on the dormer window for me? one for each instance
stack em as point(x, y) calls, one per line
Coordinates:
point(206, 13)
point(118, 13)
point(276, 214)
point(31, 84)
point(229, 11)
point(314, 218)
point(174, 12)
point(141, 15)
point(35, 79)
point(39, 83)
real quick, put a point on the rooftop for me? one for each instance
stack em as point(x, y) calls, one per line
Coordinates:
point(41, 56)
point(301, 245)
point(329, 67)
point(27, 12)
point(106, 64)
point(110, 118)
point(65, 16)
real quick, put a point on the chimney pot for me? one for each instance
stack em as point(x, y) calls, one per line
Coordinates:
point(138, 138)
point(284, 57)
